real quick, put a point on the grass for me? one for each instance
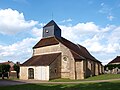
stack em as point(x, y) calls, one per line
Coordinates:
point(104, 77)
point(84, 86)
point(99, 77)
point(113, 85)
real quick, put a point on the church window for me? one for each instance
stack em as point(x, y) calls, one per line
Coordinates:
point(65, 58)
point(55, 70)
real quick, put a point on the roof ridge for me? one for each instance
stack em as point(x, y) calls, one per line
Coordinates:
point(88, 52)
point(51, 23)
point(77, 54)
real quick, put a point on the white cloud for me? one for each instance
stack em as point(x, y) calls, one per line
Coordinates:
point(42, 24)
point(112, 48)
point(37, 32)
point(12, 21)
point(105, 9)
point(79, 30)
point(86, 27)
point(98, 40)
point(114, 36)
point(19, 51)
point(66, 20)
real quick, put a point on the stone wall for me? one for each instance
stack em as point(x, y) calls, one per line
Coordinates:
point(67, 63)
point(96, 69)
point(55, 68)
point(79, 72)
point(64, 66)
point(88, 71)
point(24, 73)
point(46, 50)
point(92, 68)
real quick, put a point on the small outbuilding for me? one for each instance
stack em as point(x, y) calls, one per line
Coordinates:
point(113, 66)
point(115, 60)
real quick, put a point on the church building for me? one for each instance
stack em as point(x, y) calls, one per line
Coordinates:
point(56, 57)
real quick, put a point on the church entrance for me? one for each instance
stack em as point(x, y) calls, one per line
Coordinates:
point(30, 73)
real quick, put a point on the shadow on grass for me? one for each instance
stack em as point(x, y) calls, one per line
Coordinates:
point(7, 82)
point(83, 86)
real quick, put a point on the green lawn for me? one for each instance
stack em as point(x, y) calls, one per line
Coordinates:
point(113, 85)
point(99, 77)
point(104, 77)
point(84, 86)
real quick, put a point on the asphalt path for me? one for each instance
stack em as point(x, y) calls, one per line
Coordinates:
point(19, 82)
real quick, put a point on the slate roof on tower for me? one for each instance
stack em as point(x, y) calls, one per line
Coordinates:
point(51, 23)
point(51, 29)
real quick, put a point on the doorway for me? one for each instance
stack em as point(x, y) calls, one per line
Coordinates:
point(30, 73)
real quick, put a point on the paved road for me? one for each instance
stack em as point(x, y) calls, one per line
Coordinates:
point(18, 82)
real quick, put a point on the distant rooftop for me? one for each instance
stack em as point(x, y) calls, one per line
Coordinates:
point(116, 60)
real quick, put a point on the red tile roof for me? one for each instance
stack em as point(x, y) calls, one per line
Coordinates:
point(41, 60)
point(116, 60)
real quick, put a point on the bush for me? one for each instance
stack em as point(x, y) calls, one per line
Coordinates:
point(4, 69)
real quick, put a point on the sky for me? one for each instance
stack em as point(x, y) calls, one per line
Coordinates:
point(94, 24)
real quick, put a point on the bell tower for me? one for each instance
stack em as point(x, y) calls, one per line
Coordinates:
point(51, 29)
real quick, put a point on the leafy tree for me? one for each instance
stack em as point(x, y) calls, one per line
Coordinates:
point(17, 69)
point(118, 66)
point(110, 66)
point(4, 68)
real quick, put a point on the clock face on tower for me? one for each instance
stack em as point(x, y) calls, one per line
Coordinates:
point(46, 31)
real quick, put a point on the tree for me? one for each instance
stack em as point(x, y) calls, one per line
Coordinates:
point(110, 66)
point(17, 69)
point(105, 67)
point(118, 66)
point(4, 68)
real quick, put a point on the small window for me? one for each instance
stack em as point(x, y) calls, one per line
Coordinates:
point(55, 70)
point(65, 58)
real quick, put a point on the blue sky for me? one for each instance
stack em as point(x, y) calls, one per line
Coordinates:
point(91, 23)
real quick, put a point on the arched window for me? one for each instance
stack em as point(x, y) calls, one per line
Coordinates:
point(30, 73)
point(65, 58)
